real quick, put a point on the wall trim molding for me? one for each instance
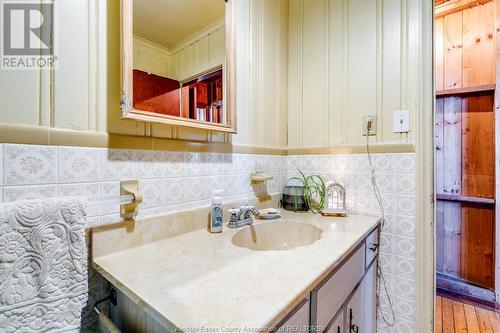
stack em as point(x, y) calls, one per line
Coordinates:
point(353, 149)
point(40, 135)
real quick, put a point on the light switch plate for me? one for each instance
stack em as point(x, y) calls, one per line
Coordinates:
point(401, 122)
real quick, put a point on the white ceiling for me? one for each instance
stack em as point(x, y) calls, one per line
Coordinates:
point(168, 22)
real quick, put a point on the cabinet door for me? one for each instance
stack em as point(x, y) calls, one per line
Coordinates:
point(337, 325)
point(369, 299)
point(354, 312)
point(298, 321)
point(361, 308)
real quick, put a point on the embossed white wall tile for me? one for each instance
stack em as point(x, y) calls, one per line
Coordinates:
point(173, 191)
point(230, 185)
point(152, 193)
point(402, 266)
point(229, 163)
point(118, 164)
point(215, 183)
point(361, 182)
point(149, 164)
point(385, 183)
point(88, 190)
point(388, 201)
point(194, 188)
point(29, 164)
point(215, 164)
point(383, 163)
point(196, 164)
point(406, 205)
point(404, 163)
point(174, 164)
point(109, 189)
point(14, 193)
point(396, 181)
point(79, 164)
point(400, 225)
point(401, 325)
point(405, 184)
point(293, 162)
point(401, 286)
point(360, 164)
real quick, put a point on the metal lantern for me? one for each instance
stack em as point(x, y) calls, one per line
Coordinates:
point(335, 200)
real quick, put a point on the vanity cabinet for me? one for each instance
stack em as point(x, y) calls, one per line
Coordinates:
point(337, 325)
point(345, 301)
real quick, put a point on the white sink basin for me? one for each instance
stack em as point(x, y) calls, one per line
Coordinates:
point(277, 235)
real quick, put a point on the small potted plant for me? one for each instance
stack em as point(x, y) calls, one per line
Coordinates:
point(304, 193)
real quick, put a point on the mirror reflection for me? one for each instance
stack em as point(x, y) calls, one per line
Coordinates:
point(178, 59)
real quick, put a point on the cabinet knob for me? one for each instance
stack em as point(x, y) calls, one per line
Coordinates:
point(374, 247)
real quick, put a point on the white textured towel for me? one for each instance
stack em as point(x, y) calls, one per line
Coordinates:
point(43, 265)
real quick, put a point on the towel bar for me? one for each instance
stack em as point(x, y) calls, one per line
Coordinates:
point(112, 297)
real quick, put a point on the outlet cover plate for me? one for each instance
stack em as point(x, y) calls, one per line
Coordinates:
point(373, 130)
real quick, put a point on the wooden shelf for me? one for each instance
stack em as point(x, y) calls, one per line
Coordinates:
point(455, 6)
point(464, 91)
point(460, 198)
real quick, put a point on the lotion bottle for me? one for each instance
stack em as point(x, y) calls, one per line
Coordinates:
point(216, 212)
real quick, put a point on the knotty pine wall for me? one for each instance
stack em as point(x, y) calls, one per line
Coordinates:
point(465, 144)
point(348, 59)
point(83, 93)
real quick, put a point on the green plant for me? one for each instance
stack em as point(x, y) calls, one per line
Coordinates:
point(314, 191)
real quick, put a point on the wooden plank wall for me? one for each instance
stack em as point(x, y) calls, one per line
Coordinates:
point(465, 57)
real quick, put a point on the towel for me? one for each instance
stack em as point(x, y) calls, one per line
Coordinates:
point(43, 265)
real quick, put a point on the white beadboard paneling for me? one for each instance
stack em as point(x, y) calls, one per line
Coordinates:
point(20, 105)
point(71, 77)
point(391, 74)
point(348, 59)
point(362, 64)
point(315, 73)
point(269, 71)
point(256, 73)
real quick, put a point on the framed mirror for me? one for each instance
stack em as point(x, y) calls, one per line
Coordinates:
point(178, 63)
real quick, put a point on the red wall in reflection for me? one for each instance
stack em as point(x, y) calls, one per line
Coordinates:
point(155, 93)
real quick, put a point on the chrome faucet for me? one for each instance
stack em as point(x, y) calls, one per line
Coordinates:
point(241, 217)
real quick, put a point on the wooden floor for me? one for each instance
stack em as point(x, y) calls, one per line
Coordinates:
point(454, 316)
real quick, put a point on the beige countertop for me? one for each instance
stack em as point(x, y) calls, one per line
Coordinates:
point(197, 281)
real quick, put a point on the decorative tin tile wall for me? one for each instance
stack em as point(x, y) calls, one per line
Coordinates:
point(396, 179)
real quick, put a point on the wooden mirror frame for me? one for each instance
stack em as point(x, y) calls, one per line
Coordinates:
point(127, 61)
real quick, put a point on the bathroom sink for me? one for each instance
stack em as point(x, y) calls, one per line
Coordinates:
point(279, 235)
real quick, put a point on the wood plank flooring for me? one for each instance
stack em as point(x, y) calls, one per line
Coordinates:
point(454, 316)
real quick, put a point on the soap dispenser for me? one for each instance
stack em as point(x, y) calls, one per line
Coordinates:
point(216, 212)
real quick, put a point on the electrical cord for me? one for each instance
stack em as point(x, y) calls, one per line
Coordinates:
point(380, 274)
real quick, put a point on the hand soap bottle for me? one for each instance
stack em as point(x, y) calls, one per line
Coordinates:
point(216, 213)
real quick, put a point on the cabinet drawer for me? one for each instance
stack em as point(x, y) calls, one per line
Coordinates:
point(337, 288)
point(372, 245)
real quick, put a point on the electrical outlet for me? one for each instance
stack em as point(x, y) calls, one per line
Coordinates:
point(401, 122)
point(372, 120)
